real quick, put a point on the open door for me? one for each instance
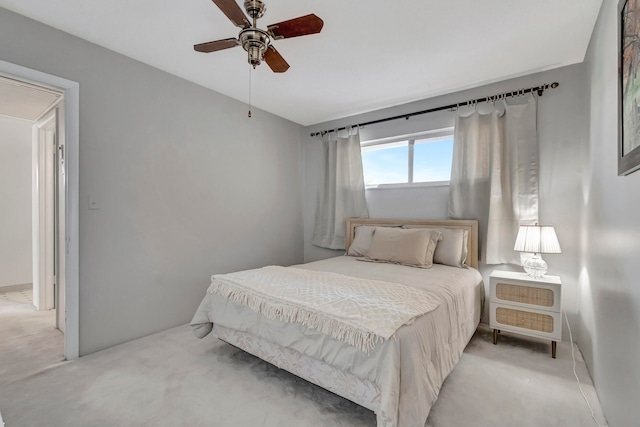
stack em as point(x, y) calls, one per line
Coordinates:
point(49, 214)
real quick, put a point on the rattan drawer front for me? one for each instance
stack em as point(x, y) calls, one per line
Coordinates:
point(525, 294)
point(525, 319)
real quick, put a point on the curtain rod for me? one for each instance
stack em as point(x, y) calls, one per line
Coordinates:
point(540, 89)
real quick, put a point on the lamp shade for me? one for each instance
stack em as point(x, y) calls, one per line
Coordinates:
point(538, 239)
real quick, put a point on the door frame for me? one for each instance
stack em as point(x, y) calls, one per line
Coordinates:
point(71, 91)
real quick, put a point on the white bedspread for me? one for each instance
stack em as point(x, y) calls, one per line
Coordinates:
point(410, 369)
point(355, 310)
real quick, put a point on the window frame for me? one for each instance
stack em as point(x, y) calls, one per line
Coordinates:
point(411, 139)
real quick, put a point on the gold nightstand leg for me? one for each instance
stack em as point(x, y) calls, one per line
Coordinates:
point(553, 349)
point(495, 336)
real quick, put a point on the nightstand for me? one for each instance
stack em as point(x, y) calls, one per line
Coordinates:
point(526, 305)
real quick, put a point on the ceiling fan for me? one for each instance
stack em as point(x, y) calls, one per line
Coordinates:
point(255, 41)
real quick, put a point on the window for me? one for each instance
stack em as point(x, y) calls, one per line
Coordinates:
point(414, 159)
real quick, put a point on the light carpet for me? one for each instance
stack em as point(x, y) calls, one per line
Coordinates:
point(173, 379)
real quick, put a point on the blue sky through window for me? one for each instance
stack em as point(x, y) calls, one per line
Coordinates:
point(389, 163)
point(432, 160)
point(386, 165)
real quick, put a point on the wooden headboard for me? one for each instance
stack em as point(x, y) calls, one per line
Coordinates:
point(470, 225)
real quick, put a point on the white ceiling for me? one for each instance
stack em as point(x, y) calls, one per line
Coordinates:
point(369, 55)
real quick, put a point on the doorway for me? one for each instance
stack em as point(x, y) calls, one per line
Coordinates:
point(32, 169)
point(61, 129)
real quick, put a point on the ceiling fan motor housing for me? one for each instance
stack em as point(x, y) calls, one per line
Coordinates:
point(255, 42)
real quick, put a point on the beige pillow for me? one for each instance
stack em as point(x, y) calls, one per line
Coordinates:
point(452, 249)
point(362, 240)
point(412, 247)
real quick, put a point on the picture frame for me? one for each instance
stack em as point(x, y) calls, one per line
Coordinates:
point(629, 87)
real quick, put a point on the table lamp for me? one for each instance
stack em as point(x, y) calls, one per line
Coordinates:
point(537, 239)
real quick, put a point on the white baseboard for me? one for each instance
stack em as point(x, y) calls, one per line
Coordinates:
point(16, 288)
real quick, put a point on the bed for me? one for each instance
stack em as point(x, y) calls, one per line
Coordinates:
point(398, 377)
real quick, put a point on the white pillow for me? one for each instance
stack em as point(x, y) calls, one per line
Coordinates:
point(412, 247)
point(362, 240)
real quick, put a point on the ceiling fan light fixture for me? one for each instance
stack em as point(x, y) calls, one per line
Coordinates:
point(255, 55)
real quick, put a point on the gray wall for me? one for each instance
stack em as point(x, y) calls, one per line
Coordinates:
point(186, 184)
point(15, 202)
point(562, 131)
point(609, 335)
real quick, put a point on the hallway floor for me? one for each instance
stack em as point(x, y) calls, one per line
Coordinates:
point(30, 341)
point(20, 296)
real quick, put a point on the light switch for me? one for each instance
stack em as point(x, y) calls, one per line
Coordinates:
point(93, 203)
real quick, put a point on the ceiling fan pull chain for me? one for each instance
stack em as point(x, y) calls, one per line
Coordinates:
point(249, 115)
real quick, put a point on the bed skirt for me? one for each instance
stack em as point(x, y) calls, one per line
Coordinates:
point(361, 391)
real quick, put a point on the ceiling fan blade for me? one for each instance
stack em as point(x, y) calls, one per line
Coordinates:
point(216, 45)
point(275, 61)
point(233, 12)
point(302, 26)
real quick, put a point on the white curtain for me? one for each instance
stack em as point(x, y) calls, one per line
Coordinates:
point(342, 195)
point(494, 175)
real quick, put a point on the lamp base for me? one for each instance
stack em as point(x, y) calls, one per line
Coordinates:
point(535, 266)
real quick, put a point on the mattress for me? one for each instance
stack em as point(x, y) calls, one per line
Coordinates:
point(407, 370)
